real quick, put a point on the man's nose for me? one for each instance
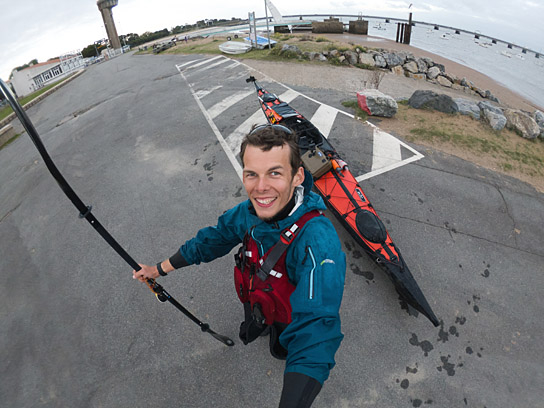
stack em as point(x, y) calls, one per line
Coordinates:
point(262, 184)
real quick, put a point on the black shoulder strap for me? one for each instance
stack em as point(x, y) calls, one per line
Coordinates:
point(286, 237)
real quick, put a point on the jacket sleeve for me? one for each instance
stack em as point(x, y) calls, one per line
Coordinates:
point(317, 267)
point(216, 241)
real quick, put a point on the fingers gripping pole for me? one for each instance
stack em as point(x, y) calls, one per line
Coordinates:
point(85, 212)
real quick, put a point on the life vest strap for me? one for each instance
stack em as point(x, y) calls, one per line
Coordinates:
point(286, 237)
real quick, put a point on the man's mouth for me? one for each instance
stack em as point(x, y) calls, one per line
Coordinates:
point(265, 201)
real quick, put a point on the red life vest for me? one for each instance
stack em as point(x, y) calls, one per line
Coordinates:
point(263, 282)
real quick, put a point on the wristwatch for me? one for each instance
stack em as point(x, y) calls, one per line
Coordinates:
point(159, 268)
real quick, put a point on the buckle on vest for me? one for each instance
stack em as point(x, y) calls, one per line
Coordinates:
point(289, 234)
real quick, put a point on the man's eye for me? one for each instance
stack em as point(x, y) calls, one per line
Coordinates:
point(275, 173)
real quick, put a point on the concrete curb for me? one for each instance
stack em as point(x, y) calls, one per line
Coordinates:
point(33, 102)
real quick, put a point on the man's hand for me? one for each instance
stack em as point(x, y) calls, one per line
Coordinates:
point(147, 272)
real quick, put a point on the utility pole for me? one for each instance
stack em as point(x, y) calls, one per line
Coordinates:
point(267, 29)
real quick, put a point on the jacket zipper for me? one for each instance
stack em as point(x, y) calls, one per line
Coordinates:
point(311, 290)
point(261, 250)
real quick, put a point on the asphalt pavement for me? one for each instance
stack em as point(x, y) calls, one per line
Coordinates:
point(150, 142)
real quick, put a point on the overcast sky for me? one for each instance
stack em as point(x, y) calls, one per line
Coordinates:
point(43, 29)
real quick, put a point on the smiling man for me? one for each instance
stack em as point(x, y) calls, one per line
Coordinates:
point(290, 269)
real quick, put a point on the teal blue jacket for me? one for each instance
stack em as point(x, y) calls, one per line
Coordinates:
point(316, 266)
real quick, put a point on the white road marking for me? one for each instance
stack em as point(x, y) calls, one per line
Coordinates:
point(203, 92)
point(206, 61)
point(234, 64)
point(234, 140)
point(187, 63)
point(324, 118)
point(386, 150)
point(214, 65)
point(228, 151)
point(226, 103)
point(386, 154)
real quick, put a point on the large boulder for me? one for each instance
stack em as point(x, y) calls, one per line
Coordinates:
point(405, 56)
point(412, 67)
point(538, 116)
point(441, 67)
point(320, 57)
point(393, 59)
point(380, 61)
point(467, 107)
point(433, 72)
point(493, 115)
point(491, 97)
point(367, 59)
point(376, 103)
point(431, 100)
point(352, 57)
point(442, 80)
point(397, 70)
point(421, 65)
point(490, 107)
point(289, 50)
point(428, 61)
point(466, 83)
point(521, 123)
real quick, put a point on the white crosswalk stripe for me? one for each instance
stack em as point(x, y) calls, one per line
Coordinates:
point(323, 119)
point(202, 62)
point(234, 140)
point(229, 101)
point(224, 60)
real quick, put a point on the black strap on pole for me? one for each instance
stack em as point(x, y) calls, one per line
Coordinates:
point(85, 212)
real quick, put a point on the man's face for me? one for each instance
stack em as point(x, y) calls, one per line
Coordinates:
point(268, 179)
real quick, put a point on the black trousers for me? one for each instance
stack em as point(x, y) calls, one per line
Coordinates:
point(299, 391)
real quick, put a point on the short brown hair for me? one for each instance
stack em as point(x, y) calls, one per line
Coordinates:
point(265, 137)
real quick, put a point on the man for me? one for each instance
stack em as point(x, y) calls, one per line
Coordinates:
point(299, 308)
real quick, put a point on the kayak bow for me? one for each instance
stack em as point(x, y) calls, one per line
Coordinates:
point(345, 198)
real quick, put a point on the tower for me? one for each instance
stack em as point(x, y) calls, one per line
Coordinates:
point(105, 7)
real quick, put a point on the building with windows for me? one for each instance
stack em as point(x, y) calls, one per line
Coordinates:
point(39, 75)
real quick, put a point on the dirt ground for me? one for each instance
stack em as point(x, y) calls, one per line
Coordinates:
point(472, 140)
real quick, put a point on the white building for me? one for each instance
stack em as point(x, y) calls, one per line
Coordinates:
point(37, 76)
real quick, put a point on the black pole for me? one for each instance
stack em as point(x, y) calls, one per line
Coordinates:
point(85, 212)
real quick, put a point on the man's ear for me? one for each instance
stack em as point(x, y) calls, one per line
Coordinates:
point(298, 179)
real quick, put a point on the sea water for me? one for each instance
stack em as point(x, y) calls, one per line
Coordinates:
point(522, 73)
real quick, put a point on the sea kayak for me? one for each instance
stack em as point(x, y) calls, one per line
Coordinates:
point(345, 198)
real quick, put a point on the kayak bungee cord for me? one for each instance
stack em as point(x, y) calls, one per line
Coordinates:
point(85, 212)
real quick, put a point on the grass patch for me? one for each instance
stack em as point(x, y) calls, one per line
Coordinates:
point(304, 42)
point(358, 112)
point(6, 110)
point(471, 140)
point(367, 67)
point(10, 141)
